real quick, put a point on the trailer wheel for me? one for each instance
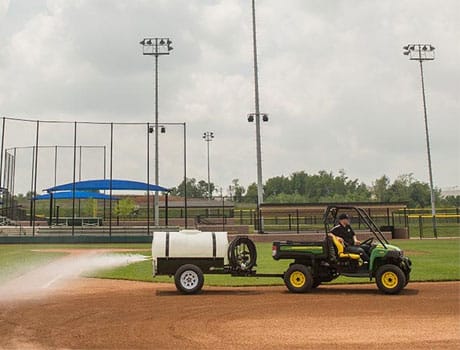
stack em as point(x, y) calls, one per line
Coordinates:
point(390, 279)
point(298, 278)
point(189, 279)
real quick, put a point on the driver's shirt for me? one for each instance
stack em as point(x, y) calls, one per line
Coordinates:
point(345, 232)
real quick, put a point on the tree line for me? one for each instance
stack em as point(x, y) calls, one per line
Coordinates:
point(324, 187)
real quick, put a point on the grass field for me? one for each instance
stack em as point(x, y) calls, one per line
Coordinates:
point(433, 260)
point(17, 259)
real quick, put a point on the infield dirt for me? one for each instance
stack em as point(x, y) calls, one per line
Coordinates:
point(100, 314)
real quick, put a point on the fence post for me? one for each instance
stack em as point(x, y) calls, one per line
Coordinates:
point(420, 226)
point(57, 215)
point(297, 220)
point(458, 217)
point(241, 216)
point(406, 221)
point(289, 221)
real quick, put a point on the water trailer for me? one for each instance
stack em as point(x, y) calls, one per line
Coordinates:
point(189, 254)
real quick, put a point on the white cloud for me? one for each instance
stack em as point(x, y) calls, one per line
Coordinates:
point(333, 79)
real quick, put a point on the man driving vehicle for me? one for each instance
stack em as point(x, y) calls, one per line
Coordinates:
point(347, 237)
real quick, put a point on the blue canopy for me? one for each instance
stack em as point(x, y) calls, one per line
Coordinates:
point(94, 185)
point(69, 195)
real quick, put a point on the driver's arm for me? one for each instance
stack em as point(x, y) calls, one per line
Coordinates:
point(356, 240)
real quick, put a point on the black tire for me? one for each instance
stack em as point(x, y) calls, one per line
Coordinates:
point(189, 279)
point(316, 283)
point(407, 278)
point(390, 279)
point(298, 278)
point(239, 257)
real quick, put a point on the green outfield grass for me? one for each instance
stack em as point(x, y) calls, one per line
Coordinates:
point(433, 260)
point(17, 259)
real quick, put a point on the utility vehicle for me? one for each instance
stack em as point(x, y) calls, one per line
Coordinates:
point(324, 261)
point(190, 254)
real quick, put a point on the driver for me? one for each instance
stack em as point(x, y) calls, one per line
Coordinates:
point(347, 237)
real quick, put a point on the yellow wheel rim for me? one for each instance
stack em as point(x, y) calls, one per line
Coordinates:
point(390, 279)
point(298, 279)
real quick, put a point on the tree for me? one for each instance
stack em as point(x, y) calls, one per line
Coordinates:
point(404, 189)
point(194, 189)
point(124, 208)
point(202, 189)
point(251, 194)
point(380, 188)
point(236, 190)
point(451, 201)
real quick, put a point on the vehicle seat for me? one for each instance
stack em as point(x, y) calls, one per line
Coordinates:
point(341, 251)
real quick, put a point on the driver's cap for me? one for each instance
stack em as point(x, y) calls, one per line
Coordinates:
point(344, 216)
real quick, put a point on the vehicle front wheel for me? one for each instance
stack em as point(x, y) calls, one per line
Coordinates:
point(298, 278)
point(189, 279)
point(390, 279)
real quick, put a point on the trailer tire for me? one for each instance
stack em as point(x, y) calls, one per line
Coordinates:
point(298, 278)
point(390, 279)
point(189, 279)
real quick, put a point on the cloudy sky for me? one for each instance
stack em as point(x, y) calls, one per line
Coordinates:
point(333, 79)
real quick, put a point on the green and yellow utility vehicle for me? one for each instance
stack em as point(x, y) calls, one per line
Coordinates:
point(324, 261)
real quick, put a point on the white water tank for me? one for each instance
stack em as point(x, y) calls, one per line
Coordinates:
point(188, 244)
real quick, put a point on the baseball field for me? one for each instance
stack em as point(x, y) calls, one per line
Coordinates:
point(81, 297)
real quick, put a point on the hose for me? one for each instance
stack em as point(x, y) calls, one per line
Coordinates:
point(242, 253)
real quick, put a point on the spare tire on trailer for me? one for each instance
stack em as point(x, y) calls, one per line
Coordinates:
point(189, 279)
point(242, 253)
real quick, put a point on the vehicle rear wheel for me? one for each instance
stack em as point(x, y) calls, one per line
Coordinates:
point(390, 279)
point(407, 278)
point(189, 279)
point(298, 278)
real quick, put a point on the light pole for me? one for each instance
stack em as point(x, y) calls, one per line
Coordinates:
point(150, 130)
point(256, 116)
point(420, 53)
point(162, 127)
point(208, 136)
point(156, 47)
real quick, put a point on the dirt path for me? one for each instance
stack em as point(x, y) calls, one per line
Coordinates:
point(93, 313)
